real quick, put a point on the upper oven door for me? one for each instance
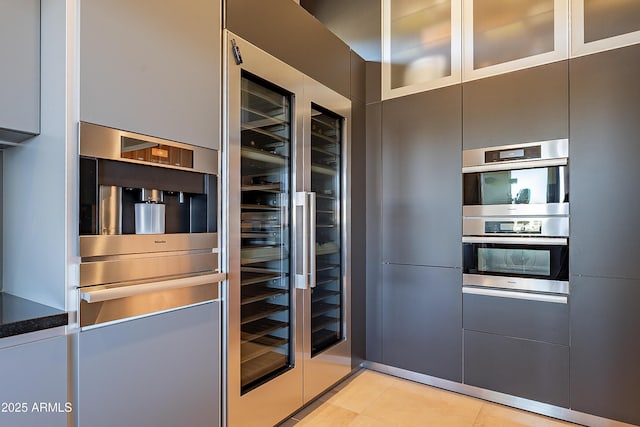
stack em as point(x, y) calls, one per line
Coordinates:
point(523, 179)
point(526, 263)
point(519, 191)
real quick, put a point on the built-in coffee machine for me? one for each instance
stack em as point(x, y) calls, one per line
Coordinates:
point(148, 224)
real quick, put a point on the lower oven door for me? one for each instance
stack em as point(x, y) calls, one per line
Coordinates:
point(106, 304)
point(530, 264)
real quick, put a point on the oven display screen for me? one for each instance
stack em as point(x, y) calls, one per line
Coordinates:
point(535, 262)
point(513, 227)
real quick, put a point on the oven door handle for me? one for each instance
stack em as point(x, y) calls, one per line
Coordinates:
point(107, 294)
point(552, 241)
point(558, 299)
point(526, 164)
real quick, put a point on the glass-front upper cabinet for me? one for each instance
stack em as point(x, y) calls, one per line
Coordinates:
point(507, 35)
point(603, 24)
point(421, 45)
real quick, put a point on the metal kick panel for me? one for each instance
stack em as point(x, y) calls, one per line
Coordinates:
point(92, 246)
point(132, 269)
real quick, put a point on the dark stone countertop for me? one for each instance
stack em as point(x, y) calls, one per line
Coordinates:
point(19, 316)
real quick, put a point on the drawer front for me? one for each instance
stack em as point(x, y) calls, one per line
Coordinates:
point(530, 369)
point(521, 318)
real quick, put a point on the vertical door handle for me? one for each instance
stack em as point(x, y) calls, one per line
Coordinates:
point(312, 239)
point(305, 240)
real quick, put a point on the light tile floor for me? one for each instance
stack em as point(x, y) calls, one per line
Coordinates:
point(373, 399)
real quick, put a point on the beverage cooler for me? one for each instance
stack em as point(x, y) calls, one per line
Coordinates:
point(288, 330)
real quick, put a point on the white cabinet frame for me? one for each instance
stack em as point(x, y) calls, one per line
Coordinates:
point(456, 55)
point(560, 51)
point(578, 45)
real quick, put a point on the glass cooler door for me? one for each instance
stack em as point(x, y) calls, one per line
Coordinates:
point(327, 295)
point(265, 330)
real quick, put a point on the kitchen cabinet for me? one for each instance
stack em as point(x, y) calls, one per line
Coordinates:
point(373, 222)
point(421, 180)
point(420, 45)
point(161, 370)
point(502, 36)
point(601, 25)
point(605, 343)
point(604, 173)
point(422, 312)
point(517, 346)
point(534, 370)
point(34, 373)
point(522, 106)
point(152, 67)
point(20, 71)
point(527, 319)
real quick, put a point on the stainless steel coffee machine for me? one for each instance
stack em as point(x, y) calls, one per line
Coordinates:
point(148, 224)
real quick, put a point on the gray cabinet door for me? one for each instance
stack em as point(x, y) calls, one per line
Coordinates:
point(33, 373)
point(20, 69)
point(604, 165)
point(605, 344)
point(422, 327)
point(522, 106)
point(421, 179)
point(161, 371)
point(533, 320)
point(152, 67)
point(534, 370)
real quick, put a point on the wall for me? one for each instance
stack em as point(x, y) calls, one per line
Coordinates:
point(1, 234)
point(357, 22)
point(35, 199)
point(300, 41)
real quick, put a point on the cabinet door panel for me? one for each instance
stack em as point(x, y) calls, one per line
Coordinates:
point(20, 70)
point(423, 320)
point(505, 35)
point(161, 370)
point(523, 106)
point(34, 373)
point(534, 320)
point(604, 172)
point(421, 180)
point(531, 369)
point(152, 68)
point(605, 343)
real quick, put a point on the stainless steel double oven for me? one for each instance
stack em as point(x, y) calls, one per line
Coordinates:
point(516, 221)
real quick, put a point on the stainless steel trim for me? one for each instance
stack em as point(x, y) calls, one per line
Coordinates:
point(549, 227)
point(311, 244)
point(122, 309)
point(558, 299)
point(520, 283)
point(547, 209)
point(497, 397)
point(552, 241)
point(100, 294)
point(105, 143)
point(516, 164)
point(551, 149)
point(123, 270)
point(92, 246)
